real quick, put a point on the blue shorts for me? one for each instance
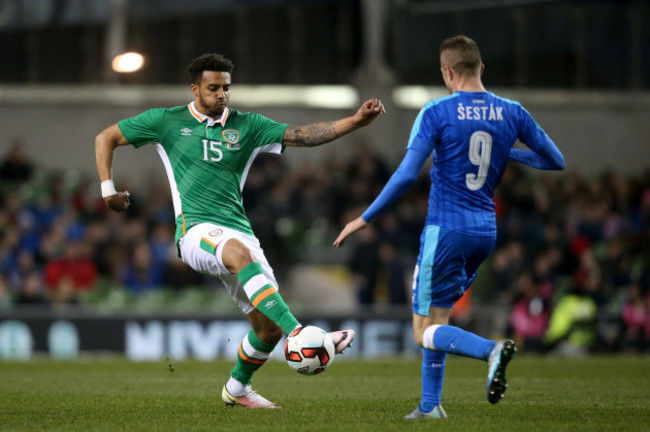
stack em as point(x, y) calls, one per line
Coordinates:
point(446, 266)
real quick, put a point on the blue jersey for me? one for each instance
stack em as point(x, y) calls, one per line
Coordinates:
point(470, 135)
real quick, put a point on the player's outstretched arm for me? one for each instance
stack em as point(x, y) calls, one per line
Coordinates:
point(349, 229)
point(105, 144)
point(401, 180)
point(319, 133)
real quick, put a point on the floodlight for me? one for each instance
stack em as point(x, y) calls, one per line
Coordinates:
point(128, 62)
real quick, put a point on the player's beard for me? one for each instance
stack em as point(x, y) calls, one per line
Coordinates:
point(215, 110)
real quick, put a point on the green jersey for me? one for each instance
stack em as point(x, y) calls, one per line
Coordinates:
point(206, 161)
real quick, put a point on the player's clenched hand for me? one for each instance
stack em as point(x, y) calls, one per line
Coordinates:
point(369, 111)
point(118, 202)
point(350, 228)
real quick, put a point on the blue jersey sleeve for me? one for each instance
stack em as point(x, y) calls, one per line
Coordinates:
point(543, 153)
point(424, 133)
point(401, 180)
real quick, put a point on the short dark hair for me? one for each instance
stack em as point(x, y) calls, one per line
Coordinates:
point(467, 59)
point(208, 62)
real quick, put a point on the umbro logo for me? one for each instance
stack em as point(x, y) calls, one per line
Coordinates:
point(270, 304)
point(186, 132)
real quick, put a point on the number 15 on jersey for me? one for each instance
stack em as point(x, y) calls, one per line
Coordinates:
point(211, 151)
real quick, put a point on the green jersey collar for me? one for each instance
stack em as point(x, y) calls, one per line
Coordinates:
point(201, 117)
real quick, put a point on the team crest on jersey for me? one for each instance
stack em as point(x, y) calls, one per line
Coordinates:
point(232, 137)
point(186, 132)
point(216, 232)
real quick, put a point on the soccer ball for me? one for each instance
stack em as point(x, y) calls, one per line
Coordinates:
point(309, 350)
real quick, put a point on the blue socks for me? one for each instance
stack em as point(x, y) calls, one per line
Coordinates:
point(437, 341)
point(455, 340)
point(433, 372)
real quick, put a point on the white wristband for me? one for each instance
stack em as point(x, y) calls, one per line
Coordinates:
point(108, 188)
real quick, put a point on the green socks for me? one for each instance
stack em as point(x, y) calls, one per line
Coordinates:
point(252, 354)
point(266, 298)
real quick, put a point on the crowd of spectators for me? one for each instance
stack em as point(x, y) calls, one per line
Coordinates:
point(571, 268)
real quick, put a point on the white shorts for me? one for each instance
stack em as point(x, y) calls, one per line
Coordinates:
point(202, 248)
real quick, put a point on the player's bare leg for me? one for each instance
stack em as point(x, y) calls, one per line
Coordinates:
point(265, 297)
point(270, 318)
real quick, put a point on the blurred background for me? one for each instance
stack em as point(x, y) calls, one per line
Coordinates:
point(571, 271)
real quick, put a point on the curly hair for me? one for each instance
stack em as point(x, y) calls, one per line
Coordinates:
point(208, 62)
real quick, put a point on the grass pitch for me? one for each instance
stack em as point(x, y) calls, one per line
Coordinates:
point(609, 393)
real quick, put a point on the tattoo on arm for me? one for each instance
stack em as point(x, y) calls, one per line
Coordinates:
point(311, 135)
